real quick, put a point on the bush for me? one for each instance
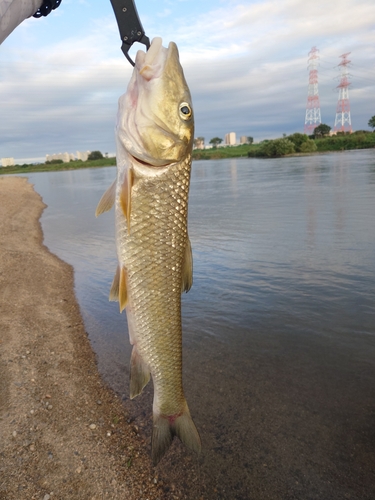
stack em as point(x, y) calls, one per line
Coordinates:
point(308, 146)
point(298, 139)
point(361, 137)
point(95, 155)
point(322, 130)
point(343, 141)
point(277, 147)
point(341, 132)
point(53, 162)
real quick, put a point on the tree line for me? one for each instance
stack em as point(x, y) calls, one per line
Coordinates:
point(215, 141)
point(319, 141)
point(294, 143)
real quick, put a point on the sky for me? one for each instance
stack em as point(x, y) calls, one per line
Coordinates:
point(246, 63)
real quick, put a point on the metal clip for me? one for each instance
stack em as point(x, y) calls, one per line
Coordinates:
point(130, 27)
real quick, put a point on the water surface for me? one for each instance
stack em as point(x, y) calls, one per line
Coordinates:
point(279, 331)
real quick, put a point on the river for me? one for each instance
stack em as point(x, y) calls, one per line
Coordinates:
point(279, 326)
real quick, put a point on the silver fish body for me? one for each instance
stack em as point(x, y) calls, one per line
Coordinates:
point(154, 142)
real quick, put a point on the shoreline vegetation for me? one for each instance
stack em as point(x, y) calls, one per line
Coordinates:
point(50, 167)
point(293, 145)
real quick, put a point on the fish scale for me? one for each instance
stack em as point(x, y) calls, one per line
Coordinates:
point(154, 280)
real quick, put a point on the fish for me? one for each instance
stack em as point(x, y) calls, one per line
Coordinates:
point(154, 140)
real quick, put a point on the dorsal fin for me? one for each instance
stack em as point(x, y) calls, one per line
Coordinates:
point(125, 196)
point(107, 200)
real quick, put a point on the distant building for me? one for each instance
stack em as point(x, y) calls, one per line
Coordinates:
point(60, 156)
point(67, 157)
point(230, 139)
point(199, 143)
point(243, 139)
point(83, 155)
point(7, 162)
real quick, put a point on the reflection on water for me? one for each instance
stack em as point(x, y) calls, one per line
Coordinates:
point(279, 334)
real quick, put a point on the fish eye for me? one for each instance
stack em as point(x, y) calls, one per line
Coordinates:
point(185, 111)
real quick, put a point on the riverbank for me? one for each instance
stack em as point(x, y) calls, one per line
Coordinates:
point(347, 142)
point(63, 433)
point(293, 145)
point(52, 167)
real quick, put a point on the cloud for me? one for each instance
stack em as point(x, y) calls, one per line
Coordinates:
point(265, 78)
point(245, 62)
point(165, 13)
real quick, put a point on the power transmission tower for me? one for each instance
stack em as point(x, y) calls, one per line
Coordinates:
point(343, 121)
point(312, 117)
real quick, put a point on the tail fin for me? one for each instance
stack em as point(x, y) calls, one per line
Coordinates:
point(165, 427)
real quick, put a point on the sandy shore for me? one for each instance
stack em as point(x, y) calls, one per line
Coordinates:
point(63, 433)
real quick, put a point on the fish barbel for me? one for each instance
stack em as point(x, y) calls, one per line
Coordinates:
point(154, 134)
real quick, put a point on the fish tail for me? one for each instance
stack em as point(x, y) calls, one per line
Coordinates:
point(166, 427)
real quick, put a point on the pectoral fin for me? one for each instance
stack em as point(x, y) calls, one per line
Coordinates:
point(125, 196)
point(187, 268)
point(119, 289)
point(107, 200)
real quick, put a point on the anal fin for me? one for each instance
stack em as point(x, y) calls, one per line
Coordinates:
point(139, 374)
point(114, 292)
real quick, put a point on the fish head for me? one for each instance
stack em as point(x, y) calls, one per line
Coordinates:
point(155, 121)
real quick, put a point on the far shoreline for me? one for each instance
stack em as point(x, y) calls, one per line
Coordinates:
point(228, 152)
point(43, 167)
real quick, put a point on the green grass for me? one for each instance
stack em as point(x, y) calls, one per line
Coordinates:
point(357, 140)
point(224, 152)
point(72, 165)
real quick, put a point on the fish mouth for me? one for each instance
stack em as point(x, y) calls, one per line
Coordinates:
point(150, 64)
point(142, 162)
point(145, 163)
